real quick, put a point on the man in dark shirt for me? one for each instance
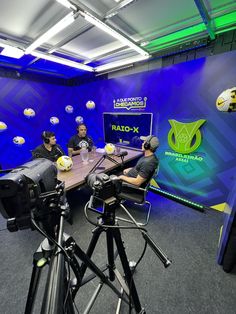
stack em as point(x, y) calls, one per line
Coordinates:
point(79, 141)
point(146, 165)
point(49, 149)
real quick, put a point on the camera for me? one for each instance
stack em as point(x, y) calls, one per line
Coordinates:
point(106, 191)
point(27, 189)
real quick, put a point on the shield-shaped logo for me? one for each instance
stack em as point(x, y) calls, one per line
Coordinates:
point(185, 138)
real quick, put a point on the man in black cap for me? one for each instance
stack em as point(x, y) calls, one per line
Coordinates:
point(146, 165)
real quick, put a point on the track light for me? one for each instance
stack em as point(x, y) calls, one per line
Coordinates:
point(67, 20)
point(63, 61)
point(95, 21)
point(120, 63)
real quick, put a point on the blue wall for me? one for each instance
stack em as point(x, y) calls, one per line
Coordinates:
point(185, 92)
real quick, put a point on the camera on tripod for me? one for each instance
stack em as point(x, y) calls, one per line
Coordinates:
point(30, 190)
point(106, 191)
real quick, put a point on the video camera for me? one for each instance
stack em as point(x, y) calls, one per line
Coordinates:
point(26, 189)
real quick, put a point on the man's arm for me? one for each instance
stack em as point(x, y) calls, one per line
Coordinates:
point(135, 181)
point(72, 152)
point(125, 171)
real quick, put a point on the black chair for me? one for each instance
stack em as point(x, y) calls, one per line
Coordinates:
point(137, 195)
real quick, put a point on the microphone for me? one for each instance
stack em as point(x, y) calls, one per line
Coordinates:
point(122, 154)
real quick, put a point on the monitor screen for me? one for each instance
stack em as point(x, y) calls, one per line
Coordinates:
point(125, 129)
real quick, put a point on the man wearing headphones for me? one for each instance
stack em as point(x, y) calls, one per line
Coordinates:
point(79, 141)
point(146, 165)
point(49, 149)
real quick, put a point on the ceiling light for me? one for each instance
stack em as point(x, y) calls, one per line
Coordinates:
point(67, 4)
point(63, 61)
point(120, 63)
point(95, 21)
point(67, 20)
point(12, 52)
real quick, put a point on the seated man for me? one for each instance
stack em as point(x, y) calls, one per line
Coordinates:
point(146, 165)
point(79, 141)
point(49, 149)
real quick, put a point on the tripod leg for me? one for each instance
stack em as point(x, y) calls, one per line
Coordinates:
point(96, 233)
point(127, 271)
point(33, 287)
point(110, 253)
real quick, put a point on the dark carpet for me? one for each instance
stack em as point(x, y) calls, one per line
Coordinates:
point(194, 283)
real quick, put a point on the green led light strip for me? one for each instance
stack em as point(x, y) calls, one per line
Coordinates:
point(177, 198)
point(226, 21)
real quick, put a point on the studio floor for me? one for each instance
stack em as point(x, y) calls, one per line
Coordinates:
point(194, 283)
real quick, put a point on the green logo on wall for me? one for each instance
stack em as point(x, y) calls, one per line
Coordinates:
point(185, 137)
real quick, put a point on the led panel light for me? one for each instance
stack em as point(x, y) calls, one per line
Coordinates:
point(95, 21)
point(63, 61)
point(12, 52)
point(66, 21)
point(120, 63)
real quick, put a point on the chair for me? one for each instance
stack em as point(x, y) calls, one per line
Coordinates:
point(137, 195)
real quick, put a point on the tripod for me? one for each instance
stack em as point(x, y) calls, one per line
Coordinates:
point(60, 291)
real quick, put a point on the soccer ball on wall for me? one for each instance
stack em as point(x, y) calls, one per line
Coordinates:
point(19, 140)
point(69, 109)
point(90, 104)
point(226, 101)
point(54, 120)
point(3, 126)
point(64, 163)
point(29, 112)
point(109, 148)
point(79, 119)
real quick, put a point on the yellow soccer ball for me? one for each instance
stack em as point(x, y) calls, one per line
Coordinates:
point(19, 140)
point(64, 163)
point(29, 112)
point(226, 101)
point(110, 148)
point(90, 104)
point(3, 126)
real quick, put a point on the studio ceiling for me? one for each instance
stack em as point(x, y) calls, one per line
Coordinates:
point(145, 28)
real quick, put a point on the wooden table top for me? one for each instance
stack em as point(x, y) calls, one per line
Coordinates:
point(76, 176)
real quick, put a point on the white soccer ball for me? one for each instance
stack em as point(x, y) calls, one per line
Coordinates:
point(54, 120)
point(79, 119)
point(110, 148)
point(3, 126)
point(90, 104)
point(29, 112)
point(19, 140)
point(64, 163)
point(69, 109)
point(226, 101)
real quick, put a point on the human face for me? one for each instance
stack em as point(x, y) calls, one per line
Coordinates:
point(143, 149)
point(52, 140)
point(82, 131)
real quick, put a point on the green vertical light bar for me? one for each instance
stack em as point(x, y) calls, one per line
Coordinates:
point(225, 20)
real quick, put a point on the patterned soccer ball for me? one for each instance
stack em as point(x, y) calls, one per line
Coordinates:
point(79, 119)
point(226, 101)
point(3, 126)
point(29, 113)
point(64, 163)
point(109, 148)
point(90, 104)
point(19, 140)
point(69, 109)
point(54, 120)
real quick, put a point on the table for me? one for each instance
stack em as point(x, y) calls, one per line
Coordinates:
point(76, 176)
